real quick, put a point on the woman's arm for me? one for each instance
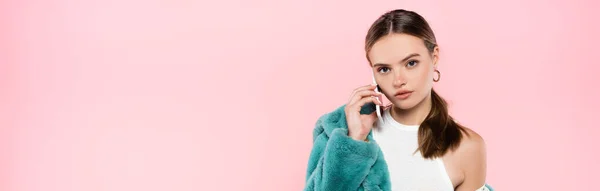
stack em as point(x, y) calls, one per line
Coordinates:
point(338, 162)
point(472, 151)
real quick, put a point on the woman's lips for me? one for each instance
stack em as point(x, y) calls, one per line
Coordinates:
point(403, 95)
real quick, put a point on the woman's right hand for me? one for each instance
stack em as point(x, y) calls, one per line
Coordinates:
point(360, 125)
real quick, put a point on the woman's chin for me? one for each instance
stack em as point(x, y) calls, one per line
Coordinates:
point(404, 104)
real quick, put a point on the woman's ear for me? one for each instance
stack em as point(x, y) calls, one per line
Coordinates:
point(435, 56)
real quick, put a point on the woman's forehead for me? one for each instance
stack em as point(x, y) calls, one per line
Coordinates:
point(395, 47)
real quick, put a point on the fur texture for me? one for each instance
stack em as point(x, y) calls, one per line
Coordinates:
point(338, 162)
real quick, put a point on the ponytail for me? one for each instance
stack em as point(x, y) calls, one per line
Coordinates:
point(438, 132)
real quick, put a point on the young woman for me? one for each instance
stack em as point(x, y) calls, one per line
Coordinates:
point(418, 146)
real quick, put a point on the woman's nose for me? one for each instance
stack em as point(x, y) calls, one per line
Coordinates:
point(399, 79)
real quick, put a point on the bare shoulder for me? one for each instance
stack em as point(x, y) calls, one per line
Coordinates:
point(472, 154)
point(472, 149)
point(471, 143)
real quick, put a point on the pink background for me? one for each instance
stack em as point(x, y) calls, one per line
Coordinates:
point(223, 95)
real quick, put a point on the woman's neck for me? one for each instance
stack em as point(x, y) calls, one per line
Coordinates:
point(413, 116)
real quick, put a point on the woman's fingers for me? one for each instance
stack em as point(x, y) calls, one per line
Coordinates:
point(359, 89)
point(366, 93)
point(358, 105)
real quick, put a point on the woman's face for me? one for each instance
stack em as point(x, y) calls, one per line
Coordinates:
point(402, 63)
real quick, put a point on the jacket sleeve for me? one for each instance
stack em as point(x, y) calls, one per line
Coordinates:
point(338, 162)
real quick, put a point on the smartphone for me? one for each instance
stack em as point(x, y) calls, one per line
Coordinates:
point(378, 108)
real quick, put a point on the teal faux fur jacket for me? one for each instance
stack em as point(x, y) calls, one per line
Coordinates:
point(338, 162)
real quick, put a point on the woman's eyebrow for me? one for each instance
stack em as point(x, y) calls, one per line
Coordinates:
point(403, 60)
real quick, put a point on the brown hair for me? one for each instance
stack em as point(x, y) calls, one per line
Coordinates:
point(439, 132)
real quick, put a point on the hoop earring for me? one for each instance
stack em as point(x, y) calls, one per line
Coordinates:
point(439, 75)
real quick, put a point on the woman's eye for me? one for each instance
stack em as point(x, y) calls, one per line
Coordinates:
point(412, 63)
point(383, 69)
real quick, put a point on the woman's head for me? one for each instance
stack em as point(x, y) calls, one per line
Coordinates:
point(403, 53)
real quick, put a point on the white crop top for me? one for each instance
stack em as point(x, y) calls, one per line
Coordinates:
point(408, 171)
